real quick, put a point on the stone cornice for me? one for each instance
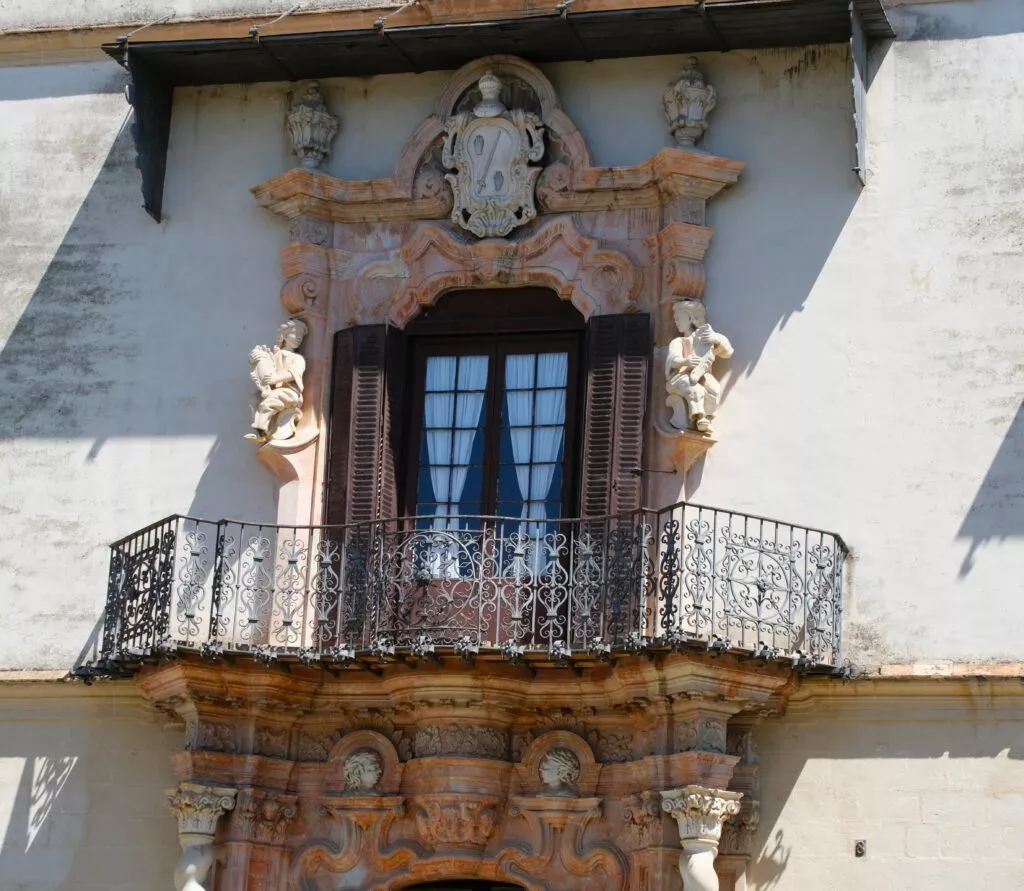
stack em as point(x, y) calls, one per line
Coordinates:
point(671, 173)
point(629, 683)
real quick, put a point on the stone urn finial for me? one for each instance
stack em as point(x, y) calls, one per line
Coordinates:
point(311, 127)
point(490, 105)
point(688, 102)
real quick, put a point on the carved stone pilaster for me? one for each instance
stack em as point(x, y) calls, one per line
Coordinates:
point(198, 808)
point(738, 831)
point(700, 813)
point(642, 813)
point(263, 816)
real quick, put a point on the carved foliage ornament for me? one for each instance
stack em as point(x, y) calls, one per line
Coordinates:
point(455, 823)
point(700, 812)
point(642, 813)
point(490, 151)
point(198, 808)
point(264, 816)
point(469, 741)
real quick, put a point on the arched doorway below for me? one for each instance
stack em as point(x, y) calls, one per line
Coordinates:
point(463, 886)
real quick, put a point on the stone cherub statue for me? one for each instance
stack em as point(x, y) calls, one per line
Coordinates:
point(277, 374)
point(692, 389)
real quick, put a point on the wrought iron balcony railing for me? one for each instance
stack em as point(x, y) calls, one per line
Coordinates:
point(685, 576)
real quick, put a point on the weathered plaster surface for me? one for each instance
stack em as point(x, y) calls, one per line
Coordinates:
point(875, 387)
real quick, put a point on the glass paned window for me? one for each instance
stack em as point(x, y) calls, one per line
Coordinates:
point(450, 480)
point(533, 435)
point(493, 435)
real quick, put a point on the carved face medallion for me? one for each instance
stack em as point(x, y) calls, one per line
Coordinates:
point(362, 770)
point(560, 770)
point(490, 151)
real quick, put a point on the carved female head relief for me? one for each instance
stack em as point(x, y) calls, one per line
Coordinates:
point(362, 770)
point(560, 770)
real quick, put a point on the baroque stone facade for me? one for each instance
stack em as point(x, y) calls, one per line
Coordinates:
point(498, 154)
point(403, 774)
point(356, 810)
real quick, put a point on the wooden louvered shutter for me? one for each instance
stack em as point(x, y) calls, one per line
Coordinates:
point(618, 358)
point(365, 425)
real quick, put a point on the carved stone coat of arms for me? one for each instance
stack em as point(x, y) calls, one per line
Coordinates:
point(490, 151)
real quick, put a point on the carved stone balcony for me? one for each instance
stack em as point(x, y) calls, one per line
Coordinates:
point(544, 591)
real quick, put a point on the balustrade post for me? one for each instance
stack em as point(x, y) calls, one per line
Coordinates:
point(198, 808)
point(700, 812)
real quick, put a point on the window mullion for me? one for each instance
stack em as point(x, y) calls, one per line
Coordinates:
point(492, 429)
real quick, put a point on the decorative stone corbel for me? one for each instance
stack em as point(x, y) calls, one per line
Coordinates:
point(700, 813)
point(198, 808)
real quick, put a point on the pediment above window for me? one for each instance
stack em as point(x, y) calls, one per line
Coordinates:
point(566, 181)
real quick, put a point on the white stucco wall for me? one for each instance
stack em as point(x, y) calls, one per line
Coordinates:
point(879, 366)
point(930, 778)
point(82, 774)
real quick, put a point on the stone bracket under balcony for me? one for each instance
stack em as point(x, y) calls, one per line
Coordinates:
point(492, 770)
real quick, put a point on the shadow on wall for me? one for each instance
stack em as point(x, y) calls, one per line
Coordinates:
point(827, 780)
point(987, 18)
point(997, 512)
point(45, 825)
point(777, 227)
point(121, 338)
point(123, 343)
point(84, 808)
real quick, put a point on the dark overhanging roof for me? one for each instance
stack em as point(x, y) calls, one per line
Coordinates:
point(725, 25)
point(158, 66)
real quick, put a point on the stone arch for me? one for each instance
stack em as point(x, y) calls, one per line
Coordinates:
point(433, 261)
point(430, 872)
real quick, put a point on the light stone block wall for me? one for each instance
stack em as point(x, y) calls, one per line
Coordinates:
point(929, 774)
point(82, 779)
point(876, 387)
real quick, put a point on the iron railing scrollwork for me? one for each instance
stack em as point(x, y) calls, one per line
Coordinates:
point(566, 589)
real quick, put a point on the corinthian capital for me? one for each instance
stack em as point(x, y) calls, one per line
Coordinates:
point(700, 812)
point(198, 808)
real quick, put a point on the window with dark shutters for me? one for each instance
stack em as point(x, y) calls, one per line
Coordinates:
point(618, 361)
point(372, 401)
point(366, 424)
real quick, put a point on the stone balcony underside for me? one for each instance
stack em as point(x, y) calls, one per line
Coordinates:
point(446, 770)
